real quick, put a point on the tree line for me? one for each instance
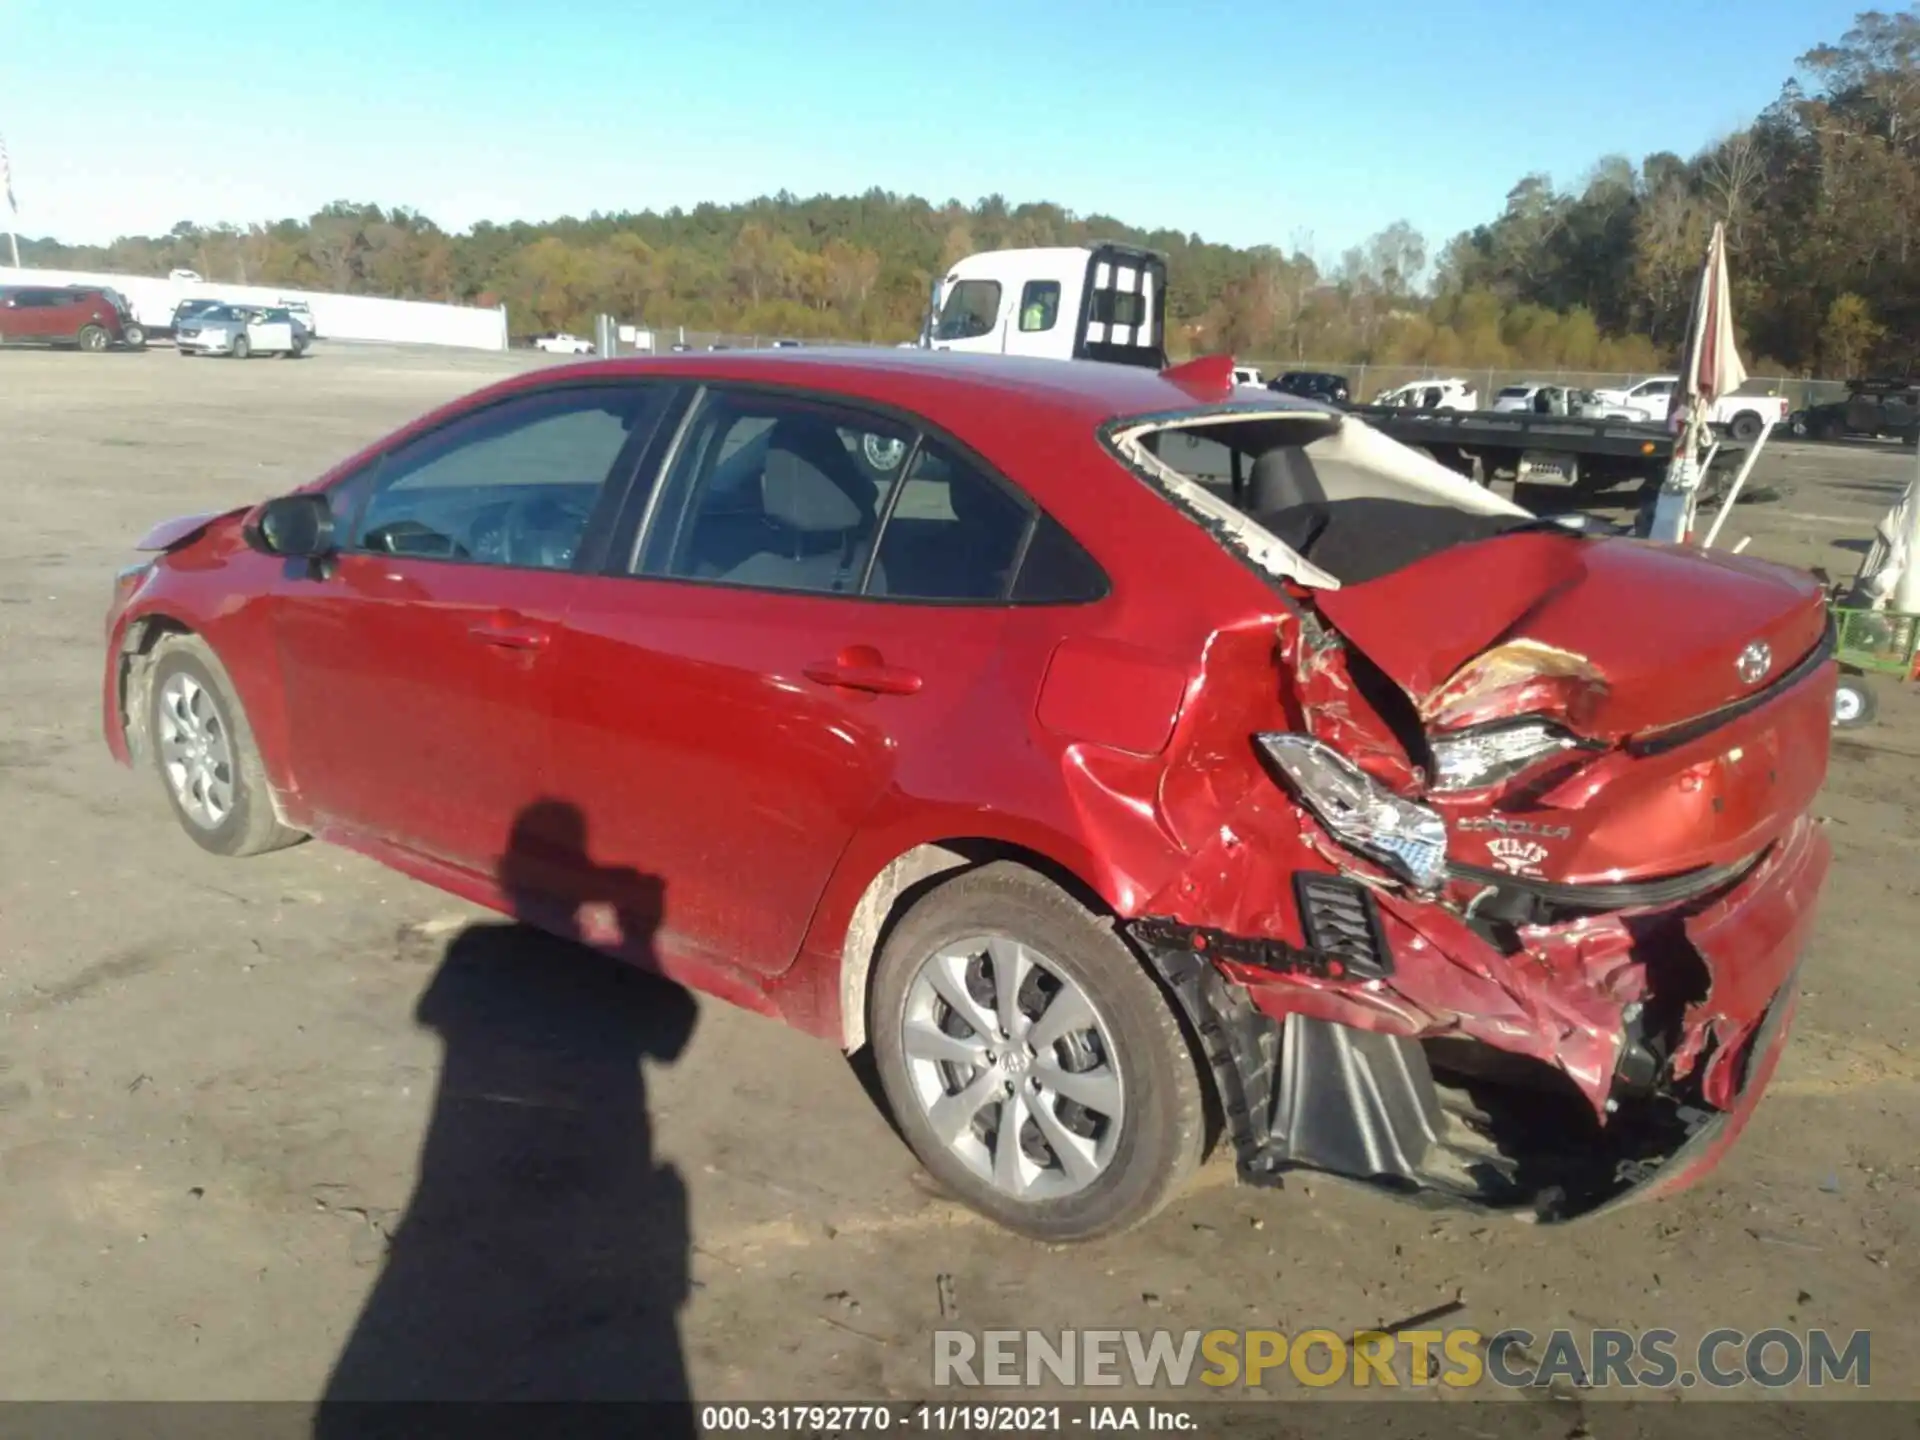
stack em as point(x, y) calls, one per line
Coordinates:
point(1820, 195)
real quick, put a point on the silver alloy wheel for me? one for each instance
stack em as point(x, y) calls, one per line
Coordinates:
point(1013, 1067)
point(1847, 705)
point(196, 751)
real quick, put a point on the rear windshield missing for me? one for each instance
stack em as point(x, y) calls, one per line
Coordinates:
point(1310, 496)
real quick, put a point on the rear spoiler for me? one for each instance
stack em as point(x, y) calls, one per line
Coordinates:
point(1205, 377)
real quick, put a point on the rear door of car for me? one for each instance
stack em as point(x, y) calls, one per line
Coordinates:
point(71, 311)
point(740, 699)
point(270, 330)
point(417, 668)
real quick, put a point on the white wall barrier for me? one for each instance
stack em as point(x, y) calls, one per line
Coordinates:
point(336, 317)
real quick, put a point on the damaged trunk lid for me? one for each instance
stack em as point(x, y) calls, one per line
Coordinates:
point(1695, 691)
point(1613, 637)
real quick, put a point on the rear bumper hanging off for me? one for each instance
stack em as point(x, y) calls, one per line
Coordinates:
point(1302, 1091)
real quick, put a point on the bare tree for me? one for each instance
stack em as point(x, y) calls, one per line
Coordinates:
point(1733, 172)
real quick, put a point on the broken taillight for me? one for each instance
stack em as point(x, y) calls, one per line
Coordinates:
point(1405, 836)
point(1489, 754)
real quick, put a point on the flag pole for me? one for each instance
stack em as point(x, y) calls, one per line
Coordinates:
point(13, 205)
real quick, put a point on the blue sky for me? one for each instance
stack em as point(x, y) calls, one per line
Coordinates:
point(1247, 121)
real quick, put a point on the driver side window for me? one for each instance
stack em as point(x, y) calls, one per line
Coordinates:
point(513, 485)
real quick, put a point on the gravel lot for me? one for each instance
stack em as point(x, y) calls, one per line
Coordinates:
point(216, 1077)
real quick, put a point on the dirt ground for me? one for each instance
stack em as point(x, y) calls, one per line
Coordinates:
point(216, 1078)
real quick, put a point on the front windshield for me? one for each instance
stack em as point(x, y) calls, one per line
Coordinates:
point(971, 310)
point(219, 312)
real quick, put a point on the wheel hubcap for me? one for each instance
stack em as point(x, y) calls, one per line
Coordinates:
point(196, 752)
point(1013, 1067)
point(883, 453)
point(1846, 705)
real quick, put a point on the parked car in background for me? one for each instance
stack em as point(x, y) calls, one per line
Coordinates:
point(1888, 405)
point(1524, 397)
point(1314, 385)
point(560, 343)
point(241, 331)
point(1247, 375)
point(786, 344)
point(1432, 394)
point(186, 310)
point(1742, 416)
point(301, 311)
point(82, 317)
point(1074, 792)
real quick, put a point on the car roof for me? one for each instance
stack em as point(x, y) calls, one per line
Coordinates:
point(946, 387)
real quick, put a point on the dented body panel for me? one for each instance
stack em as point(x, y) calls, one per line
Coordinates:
point(1619, 635)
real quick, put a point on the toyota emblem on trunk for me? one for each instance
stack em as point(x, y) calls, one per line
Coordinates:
point(1754, 662)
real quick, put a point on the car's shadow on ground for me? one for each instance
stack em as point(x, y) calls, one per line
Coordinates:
point(544, 1252)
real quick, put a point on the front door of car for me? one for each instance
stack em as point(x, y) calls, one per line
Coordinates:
point(1653, 398)
point(418, 671)
point(734, 707)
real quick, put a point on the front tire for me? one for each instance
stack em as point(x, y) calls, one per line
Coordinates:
point(204, 751)
point(1036, 1068)
point(134, 337)
point(241, 347)
point(92, 339)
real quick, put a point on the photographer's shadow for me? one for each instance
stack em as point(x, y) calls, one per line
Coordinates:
point(544, 1253)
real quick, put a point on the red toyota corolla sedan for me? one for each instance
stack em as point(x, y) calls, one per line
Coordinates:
point(1108, 749)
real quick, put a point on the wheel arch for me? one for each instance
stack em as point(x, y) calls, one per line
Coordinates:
point(898, 884)
point(131, 681)
point(133, 672)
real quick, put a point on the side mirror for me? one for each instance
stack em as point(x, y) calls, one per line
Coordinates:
point(295, 525)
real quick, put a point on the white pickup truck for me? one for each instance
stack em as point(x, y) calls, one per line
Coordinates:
point(1742, 416)
point(563, 344)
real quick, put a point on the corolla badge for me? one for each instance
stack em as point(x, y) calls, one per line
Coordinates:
point(1754, 662)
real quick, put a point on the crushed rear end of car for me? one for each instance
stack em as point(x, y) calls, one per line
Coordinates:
point(1502, 899)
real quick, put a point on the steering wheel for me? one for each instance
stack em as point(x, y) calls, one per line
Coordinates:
point(542, 532)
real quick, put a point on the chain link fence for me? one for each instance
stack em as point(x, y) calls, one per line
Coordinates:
point(1366, 381)
point(642, 340)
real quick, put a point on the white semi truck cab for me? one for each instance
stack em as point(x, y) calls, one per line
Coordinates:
point(1068, 302)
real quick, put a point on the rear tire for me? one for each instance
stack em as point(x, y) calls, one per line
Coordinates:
point(1746, 427)
point(1073, 1169)
point(204, 752)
